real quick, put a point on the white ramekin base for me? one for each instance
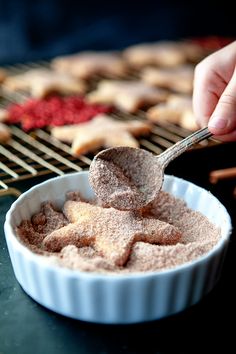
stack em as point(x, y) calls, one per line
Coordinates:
point(106, 298)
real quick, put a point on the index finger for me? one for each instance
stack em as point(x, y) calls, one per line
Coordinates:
point(208, 87)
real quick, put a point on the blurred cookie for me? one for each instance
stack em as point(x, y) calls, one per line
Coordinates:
point(179, 79)
point(193, 51)
point(177, 110)
point(3, 75)
point(167, 54)
point(128, 96)
point(163, 53)
point(3, 115)
point(5, 133)
point(41, 82)
point(86, 64)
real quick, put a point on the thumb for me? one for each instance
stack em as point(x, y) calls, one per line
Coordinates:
point(223, 119)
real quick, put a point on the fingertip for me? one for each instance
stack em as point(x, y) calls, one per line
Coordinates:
point(226, 137)
point(217, 125)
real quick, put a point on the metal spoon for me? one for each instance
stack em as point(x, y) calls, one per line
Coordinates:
point(128, 178)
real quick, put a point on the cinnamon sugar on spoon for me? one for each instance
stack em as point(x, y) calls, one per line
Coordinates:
point(128, 178)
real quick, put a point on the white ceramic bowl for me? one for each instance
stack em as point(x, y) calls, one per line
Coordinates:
point(114, 299)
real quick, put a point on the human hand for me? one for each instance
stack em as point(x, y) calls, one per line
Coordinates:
point(214, 93)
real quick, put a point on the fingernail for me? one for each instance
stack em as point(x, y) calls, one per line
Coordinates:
point(216, 122)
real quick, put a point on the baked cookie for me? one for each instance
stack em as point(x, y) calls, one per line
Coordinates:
point(177, 110)
point(3, 115)
point(41, 82)
point(179, 79)
point(163, 53)
point(3, 75)
point(102, 131)
point(193, 51)
point(128, 96)
point(86, 64)
point(111, 232)
point(5, 133)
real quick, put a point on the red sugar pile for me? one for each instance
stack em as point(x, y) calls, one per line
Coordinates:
point(54, 111)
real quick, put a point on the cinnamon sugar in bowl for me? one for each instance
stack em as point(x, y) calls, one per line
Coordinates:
point(135, 290)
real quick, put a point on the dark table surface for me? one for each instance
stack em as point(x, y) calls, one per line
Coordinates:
point(26, 327)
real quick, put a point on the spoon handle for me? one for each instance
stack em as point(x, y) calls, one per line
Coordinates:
point(183, 145)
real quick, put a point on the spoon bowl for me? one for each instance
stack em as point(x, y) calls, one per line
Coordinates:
point(128, 178)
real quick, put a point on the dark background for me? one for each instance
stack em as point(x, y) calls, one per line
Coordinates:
point(32, 30)
point(41, 29)
point(28, 328)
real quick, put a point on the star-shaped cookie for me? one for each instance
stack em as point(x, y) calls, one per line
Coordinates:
point(177, 110)
point(111, 232)
point(179, 79)
point(163, 53)
point(86, 64)
point(3, 75)
point(5, 133)
point(102, 131)
point(129, 96)
point(41, 82)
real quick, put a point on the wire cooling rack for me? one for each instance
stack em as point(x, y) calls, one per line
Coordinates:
point(28, 155)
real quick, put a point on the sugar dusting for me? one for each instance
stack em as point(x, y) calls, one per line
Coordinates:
point(109, 231)
point(126, 178)
point(114, 188)
point(198, 236)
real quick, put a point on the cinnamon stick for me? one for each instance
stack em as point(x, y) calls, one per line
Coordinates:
point(225, 173)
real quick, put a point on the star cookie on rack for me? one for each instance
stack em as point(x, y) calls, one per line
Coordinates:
point(86, 64)
point(179, 79)
point(129, 96)
point(3, 75)
point(163, 53)
point(42, 82)
point(102, 131)
point(177, 110)
point(5, 133)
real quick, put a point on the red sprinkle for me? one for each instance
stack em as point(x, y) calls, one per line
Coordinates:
point(54, 111)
